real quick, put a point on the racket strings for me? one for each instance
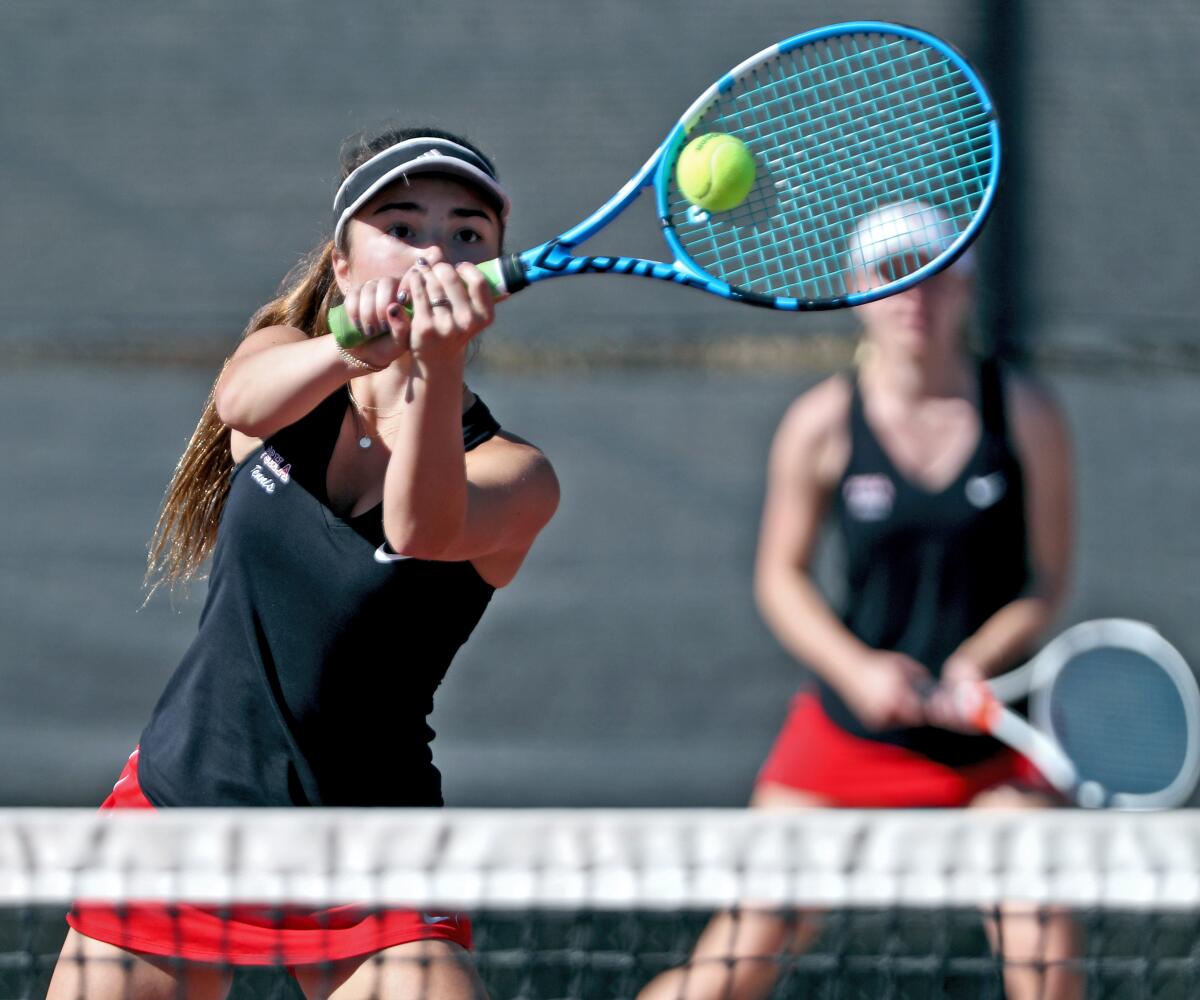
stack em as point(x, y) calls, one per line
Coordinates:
point(838, 128)
point(968, 143)
point(842, 142)
point(895, 101)
point(828, 128)
point(1121, 718)
point(798, 206)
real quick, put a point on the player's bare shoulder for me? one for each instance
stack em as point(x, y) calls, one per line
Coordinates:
point(509, 461)
point(522, 494)
point(813, 438)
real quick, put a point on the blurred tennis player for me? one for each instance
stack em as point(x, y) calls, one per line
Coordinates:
point(948, 480)
point(368, 506)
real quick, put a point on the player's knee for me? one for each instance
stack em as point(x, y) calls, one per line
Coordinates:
point(1011, 797)
point(770, 795)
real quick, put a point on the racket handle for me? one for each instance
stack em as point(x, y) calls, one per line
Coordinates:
point(990, 716)
point(504, 274)
point(1045, 753)
point(979, 706)
point(346, 333)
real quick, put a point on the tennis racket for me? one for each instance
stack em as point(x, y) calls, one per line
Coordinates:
point(1114, 715)
point(841, 122)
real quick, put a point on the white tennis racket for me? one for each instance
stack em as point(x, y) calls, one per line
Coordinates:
point(1114, 715)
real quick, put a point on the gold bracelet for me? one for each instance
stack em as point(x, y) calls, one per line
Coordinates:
point(357, 363)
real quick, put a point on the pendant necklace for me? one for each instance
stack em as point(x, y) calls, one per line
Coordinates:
point(364, 437)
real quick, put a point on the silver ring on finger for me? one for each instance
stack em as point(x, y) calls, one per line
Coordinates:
point(438, 303)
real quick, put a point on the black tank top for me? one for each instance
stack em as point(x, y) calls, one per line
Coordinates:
point(319, 649)
point(924, 569)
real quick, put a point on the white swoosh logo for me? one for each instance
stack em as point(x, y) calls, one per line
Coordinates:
point(430, 918)
point(382, 555)
point(983, 491)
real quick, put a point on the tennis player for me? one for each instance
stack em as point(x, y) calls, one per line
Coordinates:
point(361, 507)
point(948, 481)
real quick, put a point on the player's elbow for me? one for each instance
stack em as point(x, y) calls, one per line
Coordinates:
point(770, 582)
point(432, 537)
point(544, 496)
point(235, 407)
point(1049, 589)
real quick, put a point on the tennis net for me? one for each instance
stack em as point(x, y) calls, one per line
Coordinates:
point(594, 904)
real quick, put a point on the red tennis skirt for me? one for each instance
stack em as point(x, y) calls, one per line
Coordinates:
point(253, 935)
point(814, 754)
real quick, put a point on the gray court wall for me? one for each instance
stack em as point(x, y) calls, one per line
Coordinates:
point(163, 165)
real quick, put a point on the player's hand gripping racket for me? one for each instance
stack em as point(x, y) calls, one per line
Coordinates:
point(1114, 715)
point(840, 122)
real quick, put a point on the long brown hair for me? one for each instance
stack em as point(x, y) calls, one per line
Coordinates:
point(186, 530)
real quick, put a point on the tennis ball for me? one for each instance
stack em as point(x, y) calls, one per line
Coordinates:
point(715, 172)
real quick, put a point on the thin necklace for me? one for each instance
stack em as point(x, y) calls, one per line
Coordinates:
point(364, 438)
point(369, 409)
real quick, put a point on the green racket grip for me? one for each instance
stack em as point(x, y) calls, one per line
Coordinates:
point(344, 332)
point(349, 336)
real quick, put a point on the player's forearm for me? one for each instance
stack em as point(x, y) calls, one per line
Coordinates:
point(425, 488)
point(1008, 636)
point(805, 625)
point(272, 388)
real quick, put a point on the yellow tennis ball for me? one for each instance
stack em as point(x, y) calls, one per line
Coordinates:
point(715, 172)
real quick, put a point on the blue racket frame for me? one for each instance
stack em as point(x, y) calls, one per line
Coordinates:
point(554, 259)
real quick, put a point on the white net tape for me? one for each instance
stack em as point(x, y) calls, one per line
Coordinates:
point(604, 859)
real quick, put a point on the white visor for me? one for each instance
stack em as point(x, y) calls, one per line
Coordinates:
point(422, 155)
point(908, 227)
